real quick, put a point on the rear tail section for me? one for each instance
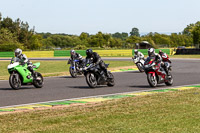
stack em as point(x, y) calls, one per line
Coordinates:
point(36, 66)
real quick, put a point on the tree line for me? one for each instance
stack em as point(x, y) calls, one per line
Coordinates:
point(18, 34)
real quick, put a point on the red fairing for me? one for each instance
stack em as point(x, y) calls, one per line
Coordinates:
point(153, 73)
point(165, 58)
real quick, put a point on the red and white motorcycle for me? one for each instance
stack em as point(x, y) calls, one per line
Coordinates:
point(156, 74)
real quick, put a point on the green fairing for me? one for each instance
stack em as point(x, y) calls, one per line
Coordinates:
point(24, 72)
point(37, 65)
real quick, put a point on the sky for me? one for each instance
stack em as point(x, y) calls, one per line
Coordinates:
point(107, 16)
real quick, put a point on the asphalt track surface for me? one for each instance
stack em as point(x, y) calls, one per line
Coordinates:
point(185, 72)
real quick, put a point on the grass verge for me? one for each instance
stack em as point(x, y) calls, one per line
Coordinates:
point(184, 56)
point(164, 112)
point(57, 68)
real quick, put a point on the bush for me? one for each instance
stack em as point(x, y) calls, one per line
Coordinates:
point(10, 46)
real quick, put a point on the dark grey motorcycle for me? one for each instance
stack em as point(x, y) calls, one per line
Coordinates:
point(96, 76)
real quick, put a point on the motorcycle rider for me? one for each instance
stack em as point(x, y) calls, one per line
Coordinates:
point(22, 58)
point(158, 59)
point(166, 61)
point(138, 54)
point(76, 56)
point(151, 53)
point(164, 56)
point(95, 58)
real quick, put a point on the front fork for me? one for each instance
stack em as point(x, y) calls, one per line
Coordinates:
point(73, 65)
point(153, 74)
point(16, 76)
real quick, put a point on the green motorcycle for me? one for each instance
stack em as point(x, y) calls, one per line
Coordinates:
point(20, 75)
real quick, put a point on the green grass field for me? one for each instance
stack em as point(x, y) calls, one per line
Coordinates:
point(174, 112)
point(56, 68)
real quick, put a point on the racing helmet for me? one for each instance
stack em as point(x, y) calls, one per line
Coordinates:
point(151, 51)
point(72, 52)
point(160, 52)
point(136, 51)
point(18, 52)
point(89, 52)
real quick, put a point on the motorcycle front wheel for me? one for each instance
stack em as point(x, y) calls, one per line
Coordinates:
point(111, 80)
point(38, 81)
point(91, 80)
point(72, 72)
point(170, 80)
point(139, 66)
point(15, 81)
point(152, 80)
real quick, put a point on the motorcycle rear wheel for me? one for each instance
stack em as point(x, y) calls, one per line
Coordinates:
point(111, 79)
point(13, 81)
point(72, 73)
point(152, 80)
point(38, 83)
point(91, 80)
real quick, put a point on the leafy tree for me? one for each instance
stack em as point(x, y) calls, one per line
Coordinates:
point(131, 41)
point(122, 36)
point(196, 33)
point(135, 32)
point(35, 42)
point(188, 30)
point(84, 36)
point(8, 42)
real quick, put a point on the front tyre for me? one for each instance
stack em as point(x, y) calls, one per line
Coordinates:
point(38, 81)
point(170, 80)
point(111, 80)
point(91, 80)
point(140, 67)
point(152, 80)
point(15, 81)
point(72, 72)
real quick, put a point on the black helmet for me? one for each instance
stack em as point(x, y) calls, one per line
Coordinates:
point(161, 52)
point(89, 52)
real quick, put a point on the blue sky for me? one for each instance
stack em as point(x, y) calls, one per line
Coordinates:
point(108, 16)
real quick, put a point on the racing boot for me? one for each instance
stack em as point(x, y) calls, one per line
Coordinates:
point(106, 73)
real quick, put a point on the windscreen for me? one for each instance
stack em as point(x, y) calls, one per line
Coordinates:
point(149, 60)
point(14, 59)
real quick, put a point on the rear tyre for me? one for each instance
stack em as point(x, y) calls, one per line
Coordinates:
point(15, 82)
point(170, 80)
point(72, 72)
point(152, 80)
point(140, 68)
point(38, 81)
point(91, 80)
point(111, 80)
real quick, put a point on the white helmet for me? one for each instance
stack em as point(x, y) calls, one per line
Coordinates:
point(18, 52)
point(72, 52)
point(136, 51)
point(151, 52)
